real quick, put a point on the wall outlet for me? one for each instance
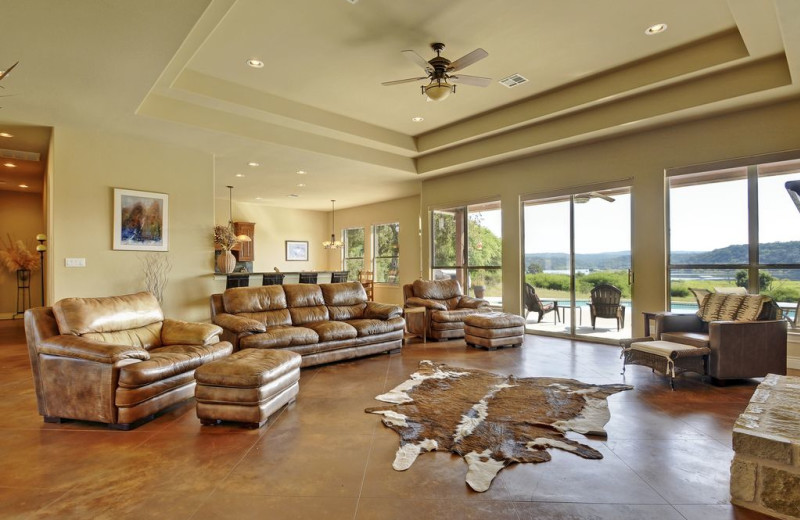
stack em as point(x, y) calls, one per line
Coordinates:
point(75, 262)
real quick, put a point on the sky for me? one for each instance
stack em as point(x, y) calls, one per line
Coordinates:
point(702, 218)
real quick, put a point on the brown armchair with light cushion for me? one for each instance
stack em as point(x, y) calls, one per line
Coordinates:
point(741, 330)
point(446, 307)
point(114, 360)
point(323, 323)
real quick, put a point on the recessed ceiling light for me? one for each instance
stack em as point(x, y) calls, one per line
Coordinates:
point(294, 195)
point(256, 64)
point(656, 29)
point(301, 185)
point(23, 186)
point(6, 134)
point(259, 198)
point(10, 165)
point(240, 175)
point(418, 119)
point(301, 172)
point(253, 164)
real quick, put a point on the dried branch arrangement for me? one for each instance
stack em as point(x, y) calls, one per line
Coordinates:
point(156, 267)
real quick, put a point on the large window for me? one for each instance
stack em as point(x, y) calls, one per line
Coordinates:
point(735, 227)
point(386, 248)
point(468, 247)
point(353, 252)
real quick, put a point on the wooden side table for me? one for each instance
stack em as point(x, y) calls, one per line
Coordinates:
point(418, 310)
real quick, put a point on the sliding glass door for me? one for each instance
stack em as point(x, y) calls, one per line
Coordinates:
point(574, 244)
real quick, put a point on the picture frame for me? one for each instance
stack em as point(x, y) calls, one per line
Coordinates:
point(140, 220)
point(296, 250)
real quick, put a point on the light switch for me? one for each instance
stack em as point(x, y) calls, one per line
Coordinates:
point(75, 262)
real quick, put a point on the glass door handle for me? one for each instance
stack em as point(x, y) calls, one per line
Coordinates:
point(630, 277)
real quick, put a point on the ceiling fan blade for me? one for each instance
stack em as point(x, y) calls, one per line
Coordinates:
point(471, 80)
point(5, 72)
point(601, 196)
point(399, 81)
point(467, 60)
point(416, 58)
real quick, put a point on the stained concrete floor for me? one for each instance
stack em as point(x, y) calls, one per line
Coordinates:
point(667, 454)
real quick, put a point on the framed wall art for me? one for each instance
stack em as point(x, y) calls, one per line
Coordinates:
point(141, 220)
point(296, 251)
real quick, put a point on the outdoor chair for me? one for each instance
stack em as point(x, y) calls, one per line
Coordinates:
point(606, 304)
point(534, 304)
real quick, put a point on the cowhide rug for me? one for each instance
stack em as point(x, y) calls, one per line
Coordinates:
point(492, 420)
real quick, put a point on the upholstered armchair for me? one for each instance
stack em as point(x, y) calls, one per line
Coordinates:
point(745, 338)
point(446, 307)
point(114, 360)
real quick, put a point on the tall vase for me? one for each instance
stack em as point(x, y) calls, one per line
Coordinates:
point(226, 262)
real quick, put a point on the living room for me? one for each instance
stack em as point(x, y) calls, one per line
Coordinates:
point(722, 91)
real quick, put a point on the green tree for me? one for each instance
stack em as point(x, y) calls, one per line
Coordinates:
point(764, 280)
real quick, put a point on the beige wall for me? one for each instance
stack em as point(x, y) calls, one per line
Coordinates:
point(21, 218)
point(276, 225)
point(406, 212)
point(86, 167)
point(641, 157)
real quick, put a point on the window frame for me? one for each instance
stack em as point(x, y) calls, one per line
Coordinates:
point(375, 256)
point(346, 249)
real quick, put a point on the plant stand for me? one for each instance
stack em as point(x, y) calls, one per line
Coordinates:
point(23, 291)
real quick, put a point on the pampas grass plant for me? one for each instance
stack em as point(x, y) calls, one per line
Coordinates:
point(16, 256)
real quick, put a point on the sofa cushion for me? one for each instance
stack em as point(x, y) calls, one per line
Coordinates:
point(695, 339)
point(451, 316)
point(731, 307)
point(369, 327)
point(280, 336)
point(170, 361)
point(345, 301)
point(80, 316)
point(306, 304)
point(332, 330)
point(146, 337)
point(437, 289)
point(270, 318)
point(254, 299)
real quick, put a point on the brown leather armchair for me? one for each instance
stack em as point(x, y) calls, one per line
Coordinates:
point(114, 360)
point(739, 349)
point(446, 307)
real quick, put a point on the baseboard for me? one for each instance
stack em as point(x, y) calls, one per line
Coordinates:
point(7, 315)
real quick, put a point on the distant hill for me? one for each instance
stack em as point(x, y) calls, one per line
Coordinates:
point(771, 253)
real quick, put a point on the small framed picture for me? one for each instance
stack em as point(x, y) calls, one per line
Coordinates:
point(296, 251)
point(140, 220)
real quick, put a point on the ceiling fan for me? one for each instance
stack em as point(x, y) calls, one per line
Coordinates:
point(4, 73)
point(440, 71)
point(583, 198)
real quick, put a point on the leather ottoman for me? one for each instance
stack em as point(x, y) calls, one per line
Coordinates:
point(494, 329)
point(247, 387)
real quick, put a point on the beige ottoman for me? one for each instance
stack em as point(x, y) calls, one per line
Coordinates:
point(494, 329)
point(246, 387)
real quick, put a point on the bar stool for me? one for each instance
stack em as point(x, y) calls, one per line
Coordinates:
point(272, 279)
point(237, 280)
point(339, 276)
point(308, 277)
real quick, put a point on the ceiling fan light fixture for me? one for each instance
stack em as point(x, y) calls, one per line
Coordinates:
point(582, 198)
point(438, 89)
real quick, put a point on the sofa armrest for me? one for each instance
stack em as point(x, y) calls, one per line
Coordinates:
point(742, 349)
point(673, 322)
point(239, 324)
point(382, 311)
point(468, 302)
point(177, 332)
point(415, 301)
point(79, 348)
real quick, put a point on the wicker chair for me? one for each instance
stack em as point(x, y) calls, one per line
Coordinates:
point(237, 280)
point(272, 279)
point(605, 304)
point(339, 276)
point(534, 304)
point(308, 277)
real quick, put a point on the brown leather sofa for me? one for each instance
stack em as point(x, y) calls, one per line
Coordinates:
point(740, 348)
point(115, 360)
point(446, 307)
point(323, 323)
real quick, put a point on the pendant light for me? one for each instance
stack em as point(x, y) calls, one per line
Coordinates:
point(242, 237)
point(333, 243)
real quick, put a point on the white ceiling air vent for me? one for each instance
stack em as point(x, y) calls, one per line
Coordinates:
point(513, 80)
point(19, 155)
